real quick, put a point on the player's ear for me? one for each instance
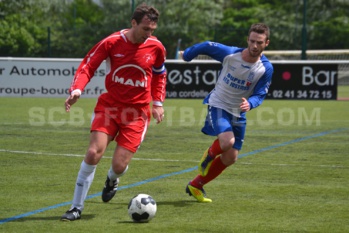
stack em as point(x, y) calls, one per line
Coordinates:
point(267, 43)
point(133, 23)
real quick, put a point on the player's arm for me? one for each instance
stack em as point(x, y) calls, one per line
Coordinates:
point(158, 92)
point(86, 71)
point(215, 50)
point(158, 84)
point(261, 89)
point(74, 96)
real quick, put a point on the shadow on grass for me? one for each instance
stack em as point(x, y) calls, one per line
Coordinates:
point(52, 218)
point(132, 222)
point(176, 203)
point(179, 203)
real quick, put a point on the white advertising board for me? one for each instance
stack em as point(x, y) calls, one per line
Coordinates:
point(36, 77)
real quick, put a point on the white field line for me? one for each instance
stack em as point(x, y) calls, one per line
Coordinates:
point(76, 155)
point(295, 164)
point(166, 160)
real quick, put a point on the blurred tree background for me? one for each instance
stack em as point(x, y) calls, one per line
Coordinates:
point(69, 28)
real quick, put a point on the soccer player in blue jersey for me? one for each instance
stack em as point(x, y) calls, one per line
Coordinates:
point(241, 86)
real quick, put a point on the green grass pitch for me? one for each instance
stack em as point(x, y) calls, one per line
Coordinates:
point(292, 174)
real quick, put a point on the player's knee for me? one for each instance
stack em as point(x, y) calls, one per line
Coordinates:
point(120, 169)
point(227, 143)
point(93, 156)
point(230, 157)
point(233, 159)
point(92, 152)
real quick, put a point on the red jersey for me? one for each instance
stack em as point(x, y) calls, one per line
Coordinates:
point(135, 73)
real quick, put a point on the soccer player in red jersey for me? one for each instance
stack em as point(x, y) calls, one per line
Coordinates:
point(135, 77)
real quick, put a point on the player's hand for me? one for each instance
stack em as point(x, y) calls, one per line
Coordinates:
point(74, 96)
point(181, 55)
point(158, 113)
point(244, 106)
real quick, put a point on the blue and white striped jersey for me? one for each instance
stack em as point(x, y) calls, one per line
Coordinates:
point(237, 78)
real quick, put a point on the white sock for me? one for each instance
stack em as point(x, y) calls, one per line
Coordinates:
point(83, 183)
point(113, 176)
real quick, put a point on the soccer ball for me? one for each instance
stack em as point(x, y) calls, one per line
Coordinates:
point(142, 208)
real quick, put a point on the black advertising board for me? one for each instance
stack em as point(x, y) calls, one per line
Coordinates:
point(191, 79)
point(311, 81)
point(304, 81)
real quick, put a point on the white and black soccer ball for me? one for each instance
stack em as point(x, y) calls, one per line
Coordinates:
point(142, 208)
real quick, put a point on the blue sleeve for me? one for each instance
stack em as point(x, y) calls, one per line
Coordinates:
point(261, 88)
point(215, 50)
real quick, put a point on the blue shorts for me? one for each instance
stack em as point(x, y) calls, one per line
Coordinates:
point(219, 121)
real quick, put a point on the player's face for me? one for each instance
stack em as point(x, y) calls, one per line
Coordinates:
point(256, 44)
point(144, 30)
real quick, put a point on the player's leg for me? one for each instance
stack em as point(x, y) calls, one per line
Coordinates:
point(218, 122)
point(219, 164)
point(231, 143)
point(132, 129)
point(119, 167)
point(208, 156)
point(98, 144)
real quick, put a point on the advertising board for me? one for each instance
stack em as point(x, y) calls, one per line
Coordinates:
point(30, 77)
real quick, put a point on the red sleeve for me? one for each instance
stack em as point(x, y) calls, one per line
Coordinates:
point(89, 65)
point(158, 90)
point(158, 84)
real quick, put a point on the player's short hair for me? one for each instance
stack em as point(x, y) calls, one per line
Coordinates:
point(260, 28)
point(144, 10)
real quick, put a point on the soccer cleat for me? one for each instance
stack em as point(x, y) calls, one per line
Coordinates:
point(198, 194)
point(205, 163)
point(109, 190)
point(71, 215)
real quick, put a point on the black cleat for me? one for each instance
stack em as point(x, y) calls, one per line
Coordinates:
point(109, 190)
point(71, 215)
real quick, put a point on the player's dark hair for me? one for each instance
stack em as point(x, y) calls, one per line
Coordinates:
point(145, 10)
point(260, 28)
